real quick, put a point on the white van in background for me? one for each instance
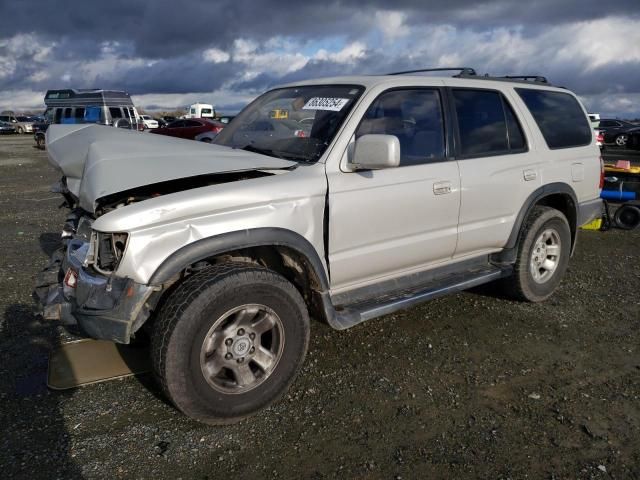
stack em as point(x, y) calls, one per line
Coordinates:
point(200, 110)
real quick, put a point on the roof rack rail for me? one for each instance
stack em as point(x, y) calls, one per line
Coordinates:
point(527, 78)
point(464, 71)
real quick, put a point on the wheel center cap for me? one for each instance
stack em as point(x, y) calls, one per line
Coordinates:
point(241, 347)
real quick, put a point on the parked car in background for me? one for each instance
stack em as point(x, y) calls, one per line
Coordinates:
point(6, 128)
point(105, 107)
point(189, 128)
point(629, 139)
point(594, 118)
point(207, 137)
point(200, 110)
point(149, 122)
point(22, 124)
point(161, 122)
point(615, 131)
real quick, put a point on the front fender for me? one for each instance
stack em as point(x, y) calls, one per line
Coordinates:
point(209, 247)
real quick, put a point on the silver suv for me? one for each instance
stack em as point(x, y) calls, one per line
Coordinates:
point(369, 195)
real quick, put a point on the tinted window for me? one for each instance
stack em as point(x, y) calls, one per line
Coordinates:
point(562, 121)
point(481, 122)
point(414, 117)
point(192, 123)
point(607, 123)
point(115, 112)
point(176, 124)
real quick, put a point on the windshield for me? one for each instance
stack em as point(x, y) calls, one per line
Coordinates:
point(296, 123)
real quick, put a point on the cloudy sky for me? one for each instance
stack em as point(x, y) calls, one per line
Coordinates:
point(168, 54)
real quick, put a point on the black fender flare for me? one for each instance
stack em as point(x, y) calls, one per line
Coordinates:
point(257, 237)
point(508, 255)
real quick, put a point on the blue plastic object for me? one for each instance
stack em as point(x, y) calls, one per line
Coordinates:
point(617, 195)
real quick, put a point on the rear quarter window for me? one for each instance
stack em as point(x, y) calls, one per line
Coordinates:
point(559, 116)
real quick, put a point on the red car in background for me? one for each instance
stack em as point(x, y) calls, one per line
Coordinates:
point(189, 128)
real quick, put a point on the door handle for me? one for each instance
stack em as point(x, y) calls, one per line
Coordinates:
point(441, 188)
point(529, 175)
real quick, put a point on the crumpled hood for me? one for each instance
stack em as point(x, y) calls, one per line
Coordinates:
point(99, 160)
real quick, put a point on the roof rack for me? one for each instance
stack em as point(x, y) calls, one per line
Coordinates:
point(464, 71)
point(527, 78)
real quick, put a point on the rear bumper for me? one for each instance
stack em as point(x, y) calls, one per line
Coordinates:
point(106, 308)
point(589, 211)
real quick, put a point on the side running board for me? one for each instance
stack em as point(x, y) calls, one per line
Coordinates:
point(348, 315)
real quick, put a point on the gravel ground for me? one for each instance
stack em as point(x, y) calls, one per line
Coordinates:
point(468, 386)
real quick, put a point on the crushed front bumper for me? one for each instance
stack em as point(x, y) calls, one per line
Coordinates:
point(107, 308)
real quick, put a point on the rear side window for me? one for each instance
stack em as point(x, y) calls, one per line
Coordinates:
point(559, 116)
point(115, 112)
point(486, 124)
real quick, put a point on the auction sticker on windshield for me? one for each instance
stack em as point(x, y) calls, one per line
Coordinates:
point(325, 103)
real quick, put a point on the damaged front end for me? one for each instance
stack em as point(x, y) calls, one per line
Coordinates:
point(77, 286)
point(105, 172)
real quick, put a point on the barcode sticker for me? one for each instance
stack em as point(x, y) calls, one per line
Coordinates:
point(325, 103)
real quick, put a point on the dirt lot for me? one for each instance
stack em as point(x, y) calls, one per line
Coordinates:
point(468, 386)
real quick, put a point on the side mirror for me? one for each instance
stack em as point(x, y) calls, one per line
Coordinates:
point(374, 152)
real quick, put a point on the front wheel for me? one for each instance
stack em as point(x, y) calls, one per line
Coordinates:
point(544, 249)
point(229, 342)
point(20, 130)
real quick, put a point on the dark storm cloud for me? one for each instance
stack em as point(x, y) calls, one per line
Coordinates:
point(157, 47)
point(164, 28)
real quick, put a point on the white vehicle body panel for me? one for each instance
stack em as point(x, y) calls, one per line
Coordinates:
point(159, 226)
point(382, 224)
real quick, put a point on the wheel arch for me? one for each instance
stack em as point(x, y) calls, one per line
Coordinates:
point(556, 195)
point(282, 250)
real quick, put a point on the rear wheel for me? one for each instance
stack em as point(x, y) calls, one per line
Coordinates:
point(621, 140)
point(543, 255)
point(229, 341)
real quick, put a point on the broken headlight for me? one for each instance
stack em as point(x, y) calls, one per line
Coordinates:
point(106, 251)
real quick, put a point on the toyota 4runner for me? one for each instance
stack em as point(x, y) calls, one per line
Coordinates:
point(376, 193)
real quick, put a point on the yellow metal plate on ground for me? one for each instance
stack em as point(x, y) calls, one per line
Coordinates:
point(91, 361)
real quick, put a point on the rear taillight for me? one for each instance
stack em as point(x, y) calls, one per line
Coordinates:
point(601, 173)
point(600, 138)
point(299, 133)
point(217, 129)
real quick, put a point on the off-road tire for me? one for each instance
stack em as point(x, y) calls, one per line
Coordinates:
point(184, 322)
point(521, 284)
